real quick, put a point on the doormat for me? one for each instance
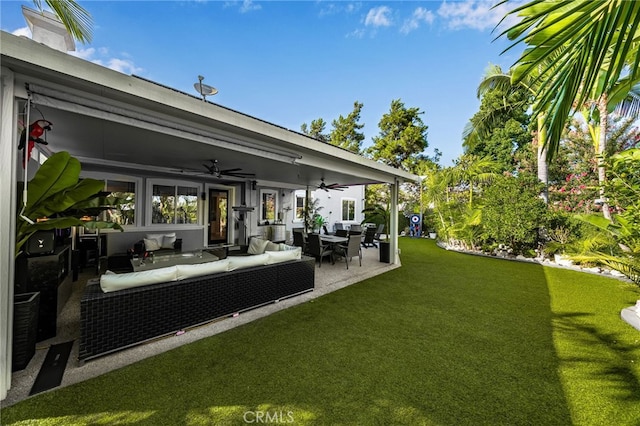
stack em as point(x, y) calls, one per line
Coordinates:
point(52, 370)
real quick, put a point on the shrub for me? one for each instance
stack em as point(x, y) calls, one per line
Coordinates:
point(513, 211)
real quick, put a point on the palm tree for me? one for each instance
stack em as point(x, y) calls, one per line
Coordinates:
point(74, 17)
point(493, 78)
point(472, 171)
point(589, 46)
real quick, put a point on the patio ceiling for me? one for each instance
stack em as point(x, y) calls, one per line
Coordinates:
point(108, 119)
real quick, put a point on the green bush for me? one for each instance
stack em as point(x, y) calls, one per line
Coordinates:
point(513, 211)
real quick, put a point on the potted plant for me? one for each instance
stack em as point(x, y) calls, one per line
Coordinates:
point(311, 213)
point(381, 214)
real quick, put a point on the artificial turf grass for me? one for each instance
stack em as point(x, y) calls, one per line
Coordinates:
point(446, 339)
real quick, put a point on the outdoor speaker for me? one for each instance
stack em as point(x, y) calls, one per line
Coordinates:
point(42, 242)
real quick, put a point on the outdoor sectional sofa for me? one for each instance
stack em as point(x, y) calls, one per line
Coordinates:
point(120, 318)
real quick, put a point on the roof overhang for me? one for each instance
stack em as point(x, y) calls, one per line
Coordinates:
point(107, 118)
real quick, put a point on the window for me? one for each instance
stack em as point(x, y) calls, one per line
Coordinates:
point(348, 209)
point(125, 189)
point(125, 192)
point(174, 204)
point(300, 202)
point(268, 205)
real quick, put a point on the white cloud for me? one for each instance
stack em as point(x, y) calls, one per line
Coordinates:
point(249, 6)
point(474, 14)
point(420, 15)
point(328, 9)
point(245, 5)
point(125, 66)
point(100, 56)
point(24, 31)
point(357, 33)
point(378, 17)
point(85, 54)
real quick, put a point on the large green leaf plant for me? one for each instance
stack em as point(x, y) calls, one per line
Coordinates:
point(621, 249)
point(56, 198)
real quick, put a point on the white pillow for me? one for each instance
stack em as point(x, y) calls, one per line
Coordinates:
point(157, 237)
point(151, 244)
point(239, 262)
point(197, 270)
point(257, 246)
point(283, 256)
point(115, 282)
point(272, 246)
point(168, 240)
point(284, 247)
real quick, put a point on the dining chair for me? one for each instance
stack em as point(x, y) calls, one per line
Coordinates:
point(352, 248)
point(317, 249)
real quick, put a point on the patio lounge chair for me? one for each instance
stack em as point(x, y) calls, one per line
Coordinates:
point(352, 248)
point(315, 248)
point(369, 238)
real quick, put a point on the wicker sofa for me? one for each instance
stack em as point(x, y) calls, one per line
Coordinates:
point(116, 320)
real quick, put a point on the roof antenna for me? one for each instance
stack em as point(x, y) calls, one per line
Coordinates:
point(204, 89)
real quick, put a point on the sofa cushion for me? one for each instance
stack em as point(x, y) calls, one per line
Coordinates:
point(157, 237)
point(151, 244)
point(168, 240)
point(238, 262)
point(283, 256)
point(114, 282)
point(200, 269)
point(272, 246)
point(257, 245)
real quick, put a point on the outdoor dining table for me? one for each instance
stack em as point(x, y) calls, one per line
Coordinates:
point(332, 239)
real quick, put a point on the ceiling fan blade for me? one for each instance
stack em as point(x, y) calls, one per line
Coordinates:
point(225, 171)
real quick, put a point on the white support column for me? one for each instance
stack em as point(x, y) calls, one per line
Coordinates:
point(8, 187)
point(394, 222)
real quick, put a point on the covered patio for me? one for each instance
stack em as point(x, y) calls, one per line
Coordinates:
point(127, 127)
point(330, 277)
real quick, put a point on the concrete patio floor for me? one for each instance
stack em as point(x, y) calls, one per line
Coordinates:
point(328, 278)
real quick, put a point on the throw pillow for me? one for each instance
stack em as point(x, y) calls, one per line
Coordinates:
point(151, 244)
point(272, 246)
point(168, 240)
point(257, 246)
point(157, 237)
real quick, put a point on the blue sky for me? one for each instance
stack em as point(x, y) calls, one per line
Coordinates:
point(289, 62)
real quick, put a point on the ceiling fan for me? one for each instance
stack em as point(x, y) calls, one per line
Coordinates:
point(214, 170)
point(333, 186)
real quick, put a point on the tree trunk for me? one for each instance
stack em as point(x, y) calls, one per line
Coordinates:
point(543, 166)
point(600, 152)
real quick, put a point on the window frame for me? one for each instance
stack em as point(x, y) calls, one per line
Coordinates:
point(137, 181)
point(303, 195)
point(174, 183)
point(273, 192)
point(342, 211)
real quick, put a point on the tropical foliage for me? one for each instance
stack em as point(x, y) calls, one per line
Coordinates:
point(590, 47)
point(57, 198)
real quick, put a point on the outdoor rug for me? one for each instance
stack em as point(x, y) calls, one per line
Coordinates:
point(52, 370)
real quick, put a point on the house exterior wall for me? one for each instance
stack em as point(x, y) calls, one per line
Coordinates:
point(8, 153)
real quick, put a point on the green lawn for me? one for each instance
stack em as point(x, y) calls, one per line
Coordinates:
point(448, 339)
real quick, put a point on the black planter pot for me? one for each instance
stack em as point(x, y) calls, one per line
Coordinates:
point(25, 328)
point(385, 252)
